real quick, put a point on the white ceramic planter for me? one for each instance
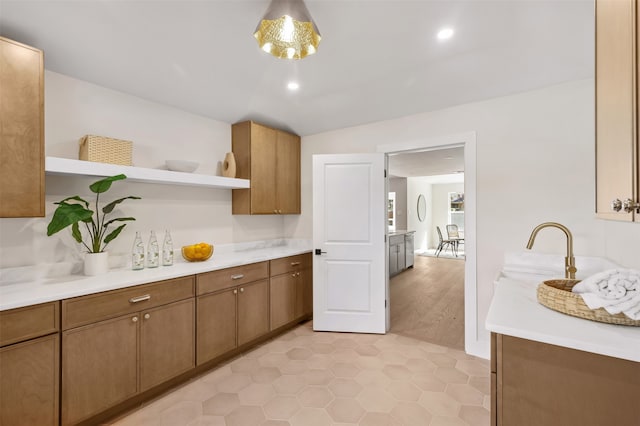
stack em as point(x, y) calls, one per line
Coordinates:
point(96, 263)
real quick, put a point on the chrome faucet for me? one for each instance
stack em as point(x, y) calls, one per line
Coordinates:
point(569, 261)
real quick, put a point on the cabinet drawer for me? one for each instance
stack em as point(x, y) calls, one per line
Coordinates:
point(96, 307)
point(291, 263)
point(29, 322)
point(230, 277)
point(396, 239)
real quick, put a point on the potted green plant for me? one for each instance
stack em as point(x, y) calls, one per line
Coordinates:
point(74, 211)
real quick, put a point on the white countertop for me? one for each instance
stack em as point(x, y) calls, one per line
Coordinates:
point(515, 311)
point(29, 286)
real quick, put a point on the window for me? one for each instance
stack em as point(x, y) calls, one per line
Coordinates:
point(456, 209)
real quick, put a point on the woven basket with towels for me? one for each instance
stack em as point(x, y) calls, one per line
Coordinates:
point(611, 296)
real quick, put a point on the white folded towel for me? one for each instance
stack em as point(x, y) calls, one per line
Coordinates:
point(616, 290)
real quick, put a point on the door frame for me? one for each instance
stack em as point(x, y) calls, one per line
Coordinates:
point(467, 140)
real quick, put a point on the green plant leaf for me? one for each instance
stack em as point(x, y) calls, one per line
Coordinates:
point(76, 198)
point(67, 214)
point(75, 231)
point(120, 219)
point(113, 234)
point(103, 185)
point(109, 207)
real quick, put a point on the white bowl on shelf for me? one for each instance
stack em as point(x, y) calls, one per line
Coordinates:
point(182, 166)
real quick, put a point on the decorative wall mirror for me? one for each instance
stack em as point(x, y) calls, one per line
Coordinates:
point(422, 208)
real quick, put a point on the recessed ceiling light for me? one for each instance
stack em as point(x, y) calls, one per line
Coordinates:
point(293, 85)
point(445, 33)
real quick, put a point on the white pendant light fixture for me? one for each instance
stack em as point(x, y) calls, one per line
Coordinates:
point(287, 30)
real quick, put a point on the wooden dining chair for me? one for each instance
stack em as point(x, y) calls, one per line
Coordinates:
point(453, 234)
point(443, 244)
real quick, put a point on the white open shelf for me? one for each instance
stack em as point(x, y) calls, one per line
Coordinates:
point(67, 166)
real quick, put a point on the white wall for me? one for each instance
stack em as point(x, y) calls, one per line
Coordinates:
point(535, 163)
point(415, 187)
point(440, 203)
point(74, 108)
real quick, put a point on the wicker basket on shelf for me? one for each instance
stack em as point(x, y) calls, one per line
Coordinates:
point(102, 149)
point(557, 295)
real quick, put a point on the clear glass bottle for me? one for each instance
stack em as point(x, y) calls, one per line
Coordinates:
point(137, 253)
point(153, 252)
point(167, 249)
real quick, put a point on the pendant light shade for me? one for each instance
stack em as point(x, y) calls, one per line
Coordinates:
point(287, 30)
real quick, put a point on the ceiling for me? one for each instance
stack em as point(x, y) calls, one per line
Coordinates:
point(437, 162)
point(377, 60)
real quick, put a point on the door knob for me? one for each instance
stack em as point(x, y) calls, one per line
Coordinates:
point(134, 319)
point(616, 205)
point(147, 316)
point(319, 252)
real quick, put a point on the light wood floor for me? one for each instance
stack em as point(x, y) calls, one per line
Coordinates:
point(427, 301)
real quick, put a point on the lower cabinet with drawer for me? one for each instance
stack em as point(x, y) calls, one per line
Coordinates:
point(29, 365)
point(291, 288)
point(232, 309)
point(120, 343)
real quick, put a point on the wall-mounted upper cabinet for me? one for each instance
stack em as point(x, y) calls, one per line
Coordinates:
point(617, 108)
point(270, 159)
point(21, 130)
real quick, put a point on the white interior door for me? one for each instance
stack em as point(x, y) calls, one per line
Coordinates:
point(349, 227)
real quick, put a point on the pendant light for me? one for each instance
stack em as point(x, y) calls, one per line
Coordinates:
point(287, 30)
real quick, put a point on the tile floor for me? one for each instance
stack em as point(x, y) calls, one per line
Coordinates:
point(304, 378)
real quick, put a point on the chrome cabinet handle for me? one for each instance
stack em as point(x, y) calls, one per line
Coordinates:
point(140, 298)
point(134, 319)
point(147, 316)
point(616, 205)
point(629, 205)
point(237, 277)
point(295, 263)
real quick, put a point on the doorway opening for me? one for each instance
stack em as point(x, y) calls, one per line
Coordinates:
point(426, 287)
point(465, 141)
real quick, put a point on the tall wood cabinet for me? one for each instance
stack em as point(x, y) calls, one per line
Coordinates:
point(233, 309)
point(21, 130)
point(123, 342)
point(29, 365)
point(617, 109)
point(270, 158)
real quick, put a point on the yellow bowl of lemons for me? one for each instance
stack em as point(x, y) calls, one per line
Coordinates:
point(197, 252)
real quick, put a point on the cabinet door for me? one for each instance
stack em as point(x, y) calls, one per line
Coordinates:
point(616, 123)
point(167, 342)
point(216, 324)
point(263, 170)
point(288, 173)
point(99, 367)
point(401, 257)
point(29, 382)
point(253, 311)
point(21, 130)
point(282, 299)
point(304, 293)
point(393, 259)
